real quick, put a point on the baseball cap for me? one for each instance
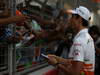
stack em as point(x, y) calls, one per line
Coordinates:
point(83, 12)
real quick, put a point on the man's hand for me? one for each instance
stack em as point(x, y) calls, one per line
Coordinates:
point(14, 19)
point(19, 18)
point(52, 60)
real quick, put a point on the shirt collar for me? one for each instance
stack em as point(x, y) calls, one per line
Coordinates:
point(85, 30)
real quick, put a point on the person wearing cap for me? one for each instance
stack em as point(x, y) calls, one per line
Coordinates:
point(82, 52)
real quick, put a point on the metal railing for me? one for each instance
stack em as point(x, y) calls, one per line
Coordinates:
point(14, 60)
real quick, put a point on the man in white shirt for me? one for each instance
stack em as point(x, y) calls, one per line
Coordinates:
point(82, 52)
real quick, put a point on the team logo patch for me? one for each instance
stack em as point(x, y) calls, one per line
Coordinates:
point(76, 52)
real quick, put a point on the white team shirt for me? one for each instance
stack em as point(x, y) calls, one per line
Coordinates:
point(83, 49)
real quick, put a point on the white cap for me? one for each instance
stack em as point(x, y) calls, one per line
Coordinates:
point(83, 12)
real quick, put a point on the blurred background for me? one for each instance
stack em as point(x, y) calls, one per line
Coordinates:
point(23, 57)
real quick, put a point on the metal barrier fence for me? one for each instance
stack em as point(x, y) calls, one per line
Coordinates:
point(16, 59)
point(30, 56)
point(3, 57)
point(26, 57)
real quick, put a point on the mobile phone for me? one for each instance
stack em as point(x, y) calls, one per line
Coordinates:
point(45, 56)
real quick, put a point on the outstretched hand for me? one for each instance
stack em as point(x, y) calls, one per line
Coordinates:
point(19, 18)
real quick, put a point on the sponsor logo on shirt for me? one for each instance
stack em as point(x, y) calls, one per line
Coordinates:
point(76, 52)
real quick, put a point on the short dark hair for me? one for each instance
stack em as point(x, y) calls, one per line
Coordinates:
point(84, 22)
